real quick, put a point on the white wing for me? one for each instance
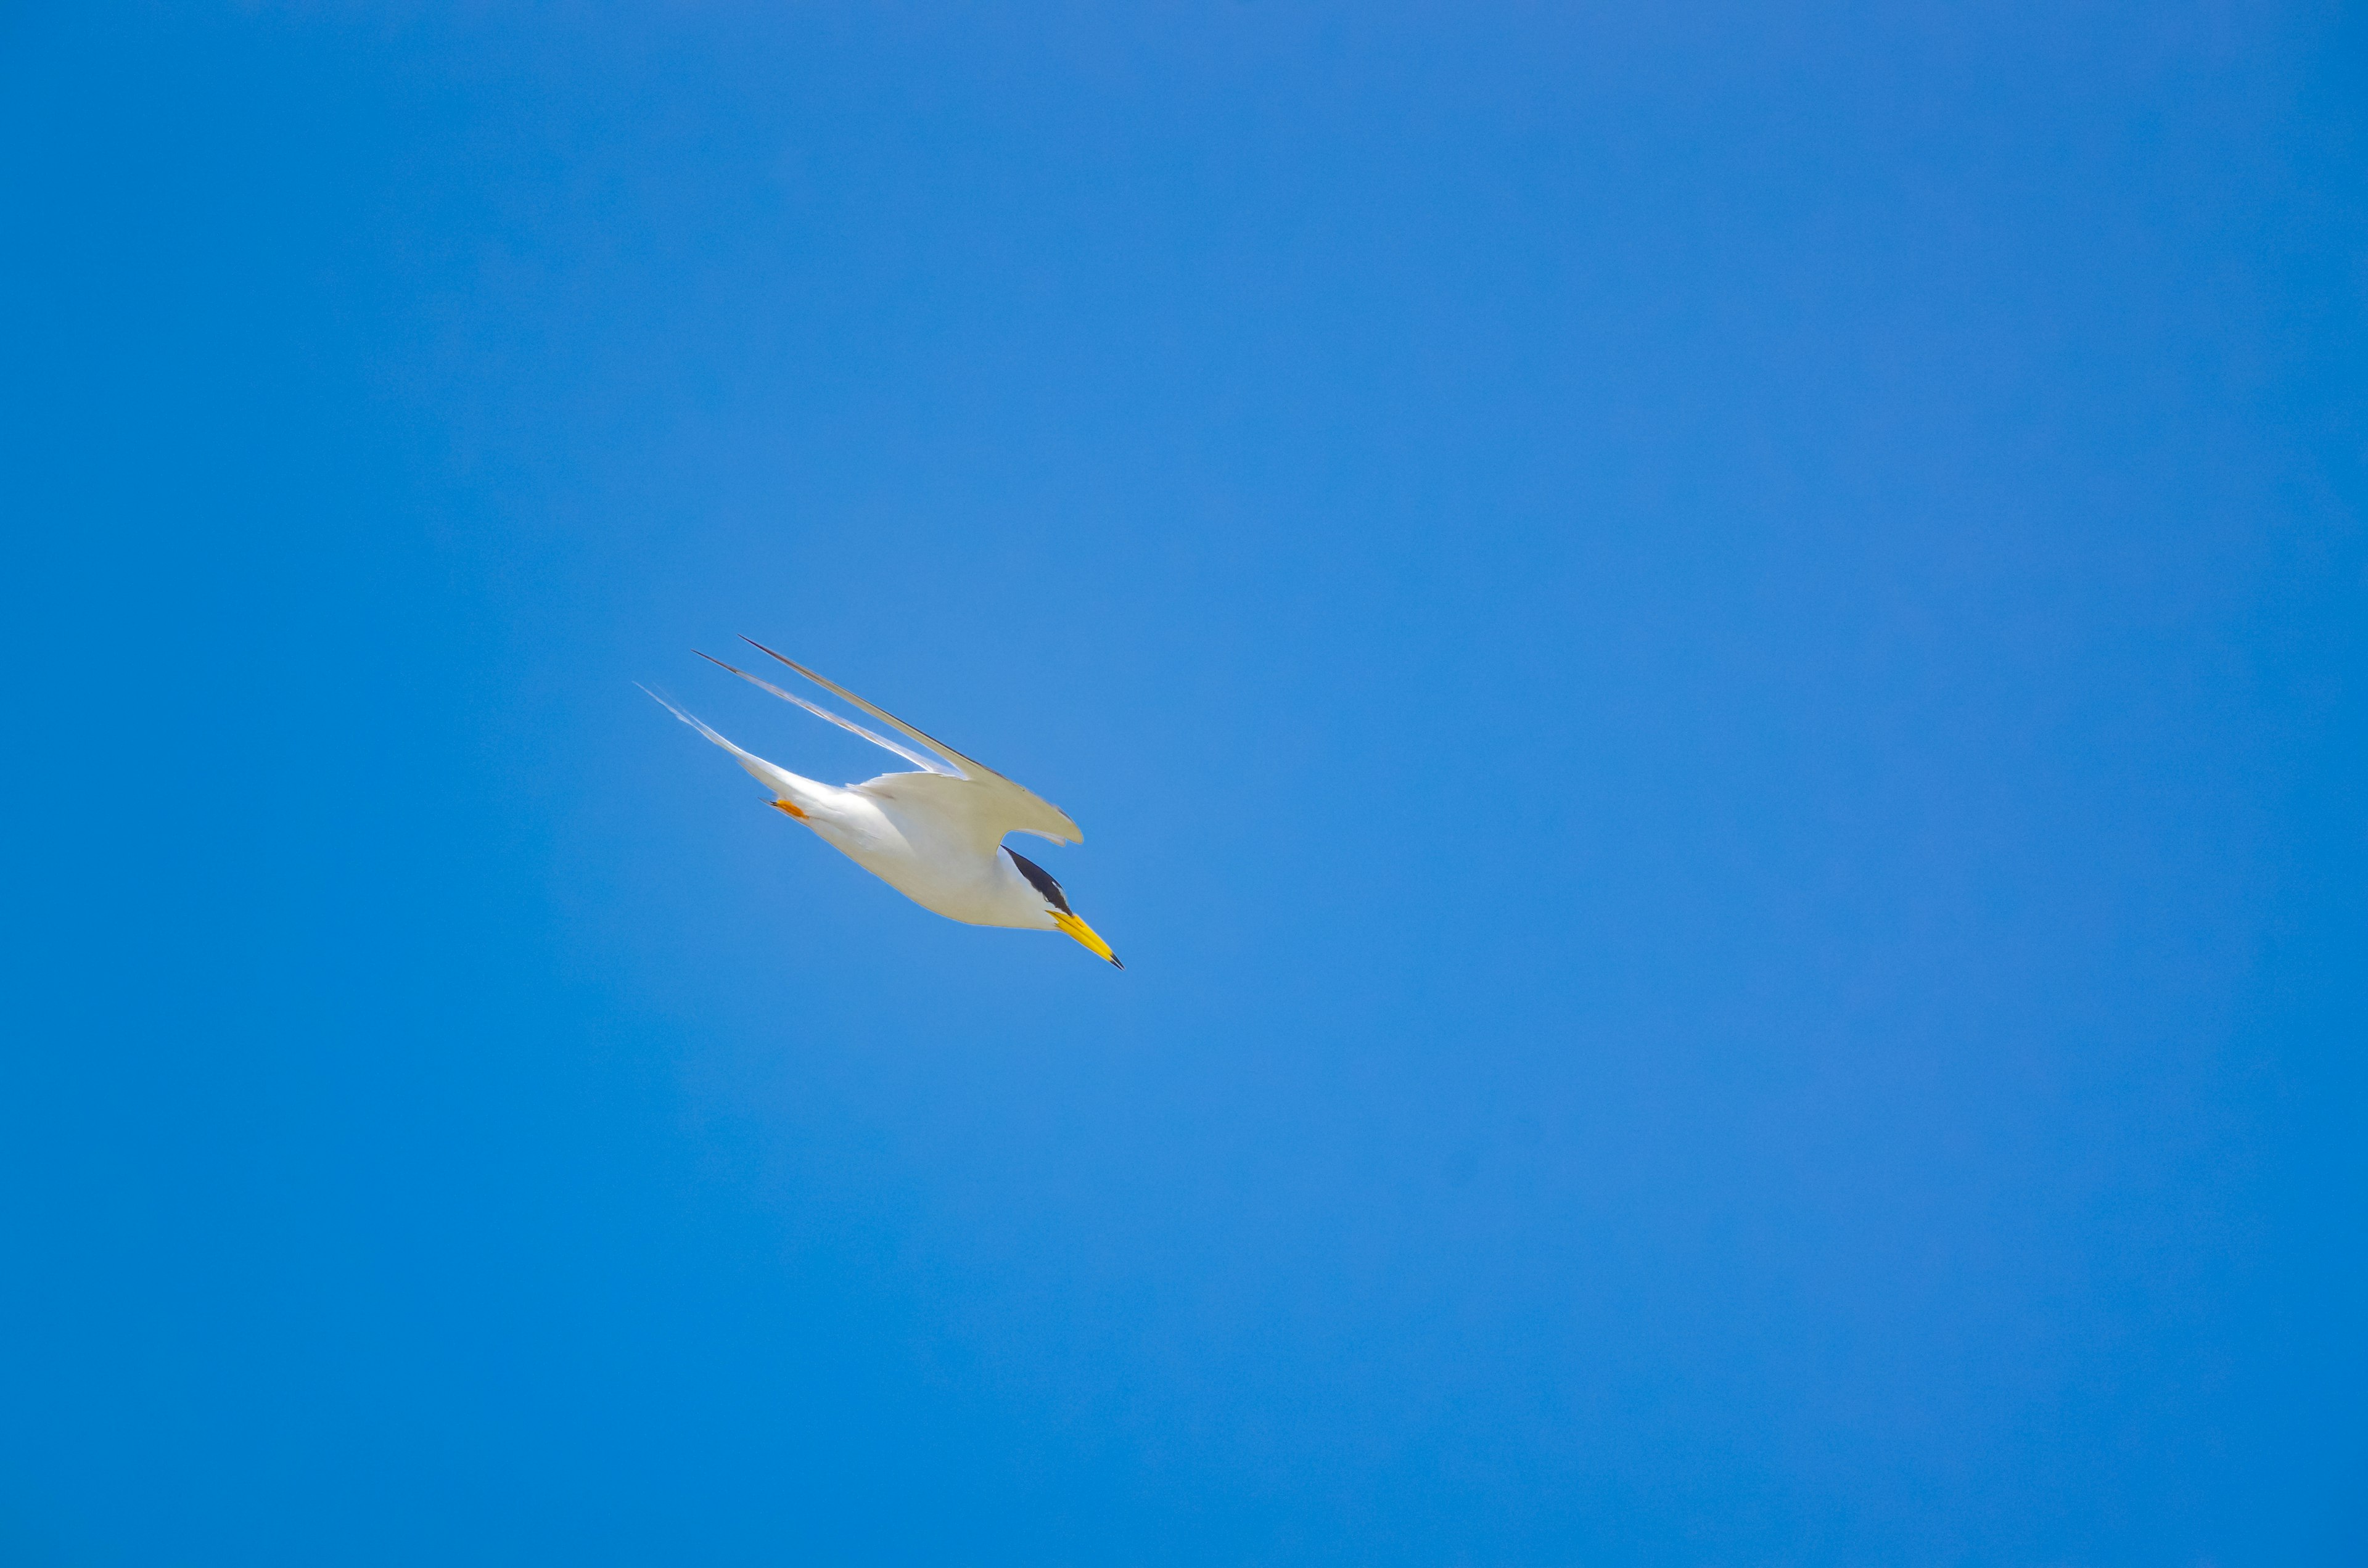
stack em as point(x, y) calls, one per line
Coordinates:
point(969, 790)
point(926, 764)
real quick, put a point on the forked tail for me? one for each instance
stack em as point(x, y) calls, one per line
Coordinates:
point(786, 786)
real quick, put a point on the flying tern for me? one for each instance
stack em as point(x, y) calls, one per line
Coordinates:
point(936, 836)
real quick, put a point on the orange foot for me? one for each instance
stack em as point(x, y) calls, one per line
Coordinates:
point(791, 808)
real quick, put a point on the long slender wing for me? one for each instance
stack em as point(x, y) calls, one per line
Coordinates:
point(926, 764)
point(1021, 810)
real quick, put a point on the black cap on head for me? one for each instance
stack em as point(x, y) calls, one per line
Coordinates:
point(1040, 879)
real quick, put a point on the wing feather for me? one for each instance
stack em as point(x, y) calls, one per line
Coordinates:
point(926, 764)
point(1009, 808)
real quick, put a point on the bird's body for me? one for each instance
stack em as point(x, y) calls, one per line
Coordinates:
point(936, 836)
point(907, 838)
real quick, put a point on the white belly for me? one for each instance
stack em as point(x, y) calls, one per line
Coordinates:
point(929, 864)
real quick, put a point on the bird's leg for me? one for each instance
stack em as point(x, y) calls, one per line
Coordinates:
point(791, 807)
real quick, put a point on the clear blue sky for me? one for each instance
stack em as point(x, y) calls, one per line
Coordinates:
point(1715, 664)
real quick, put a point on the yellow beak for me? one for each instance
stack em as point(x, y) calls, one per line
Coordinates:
point(1086, 937)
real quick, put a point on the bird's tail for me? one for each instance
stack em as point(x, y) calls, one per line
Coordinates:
point(785, 785)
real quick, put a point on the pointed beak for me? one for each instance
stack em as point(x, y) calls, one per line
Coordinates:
point(1086, 937)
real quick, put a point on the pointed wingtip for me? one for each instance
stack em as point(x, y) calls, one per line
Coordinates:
point(784, 658)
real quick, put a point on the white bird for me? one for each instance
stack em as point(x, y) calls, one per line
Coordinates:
point(936, 836)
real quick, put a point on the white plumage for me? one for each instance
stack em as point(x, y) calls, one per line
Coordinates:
point(936, 836)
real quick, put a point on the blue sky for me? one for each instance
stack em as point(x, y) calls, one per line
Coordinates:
point(1713, 663)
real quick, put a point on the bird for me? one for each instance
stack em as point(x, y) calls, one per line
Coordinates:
point(936, 836)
